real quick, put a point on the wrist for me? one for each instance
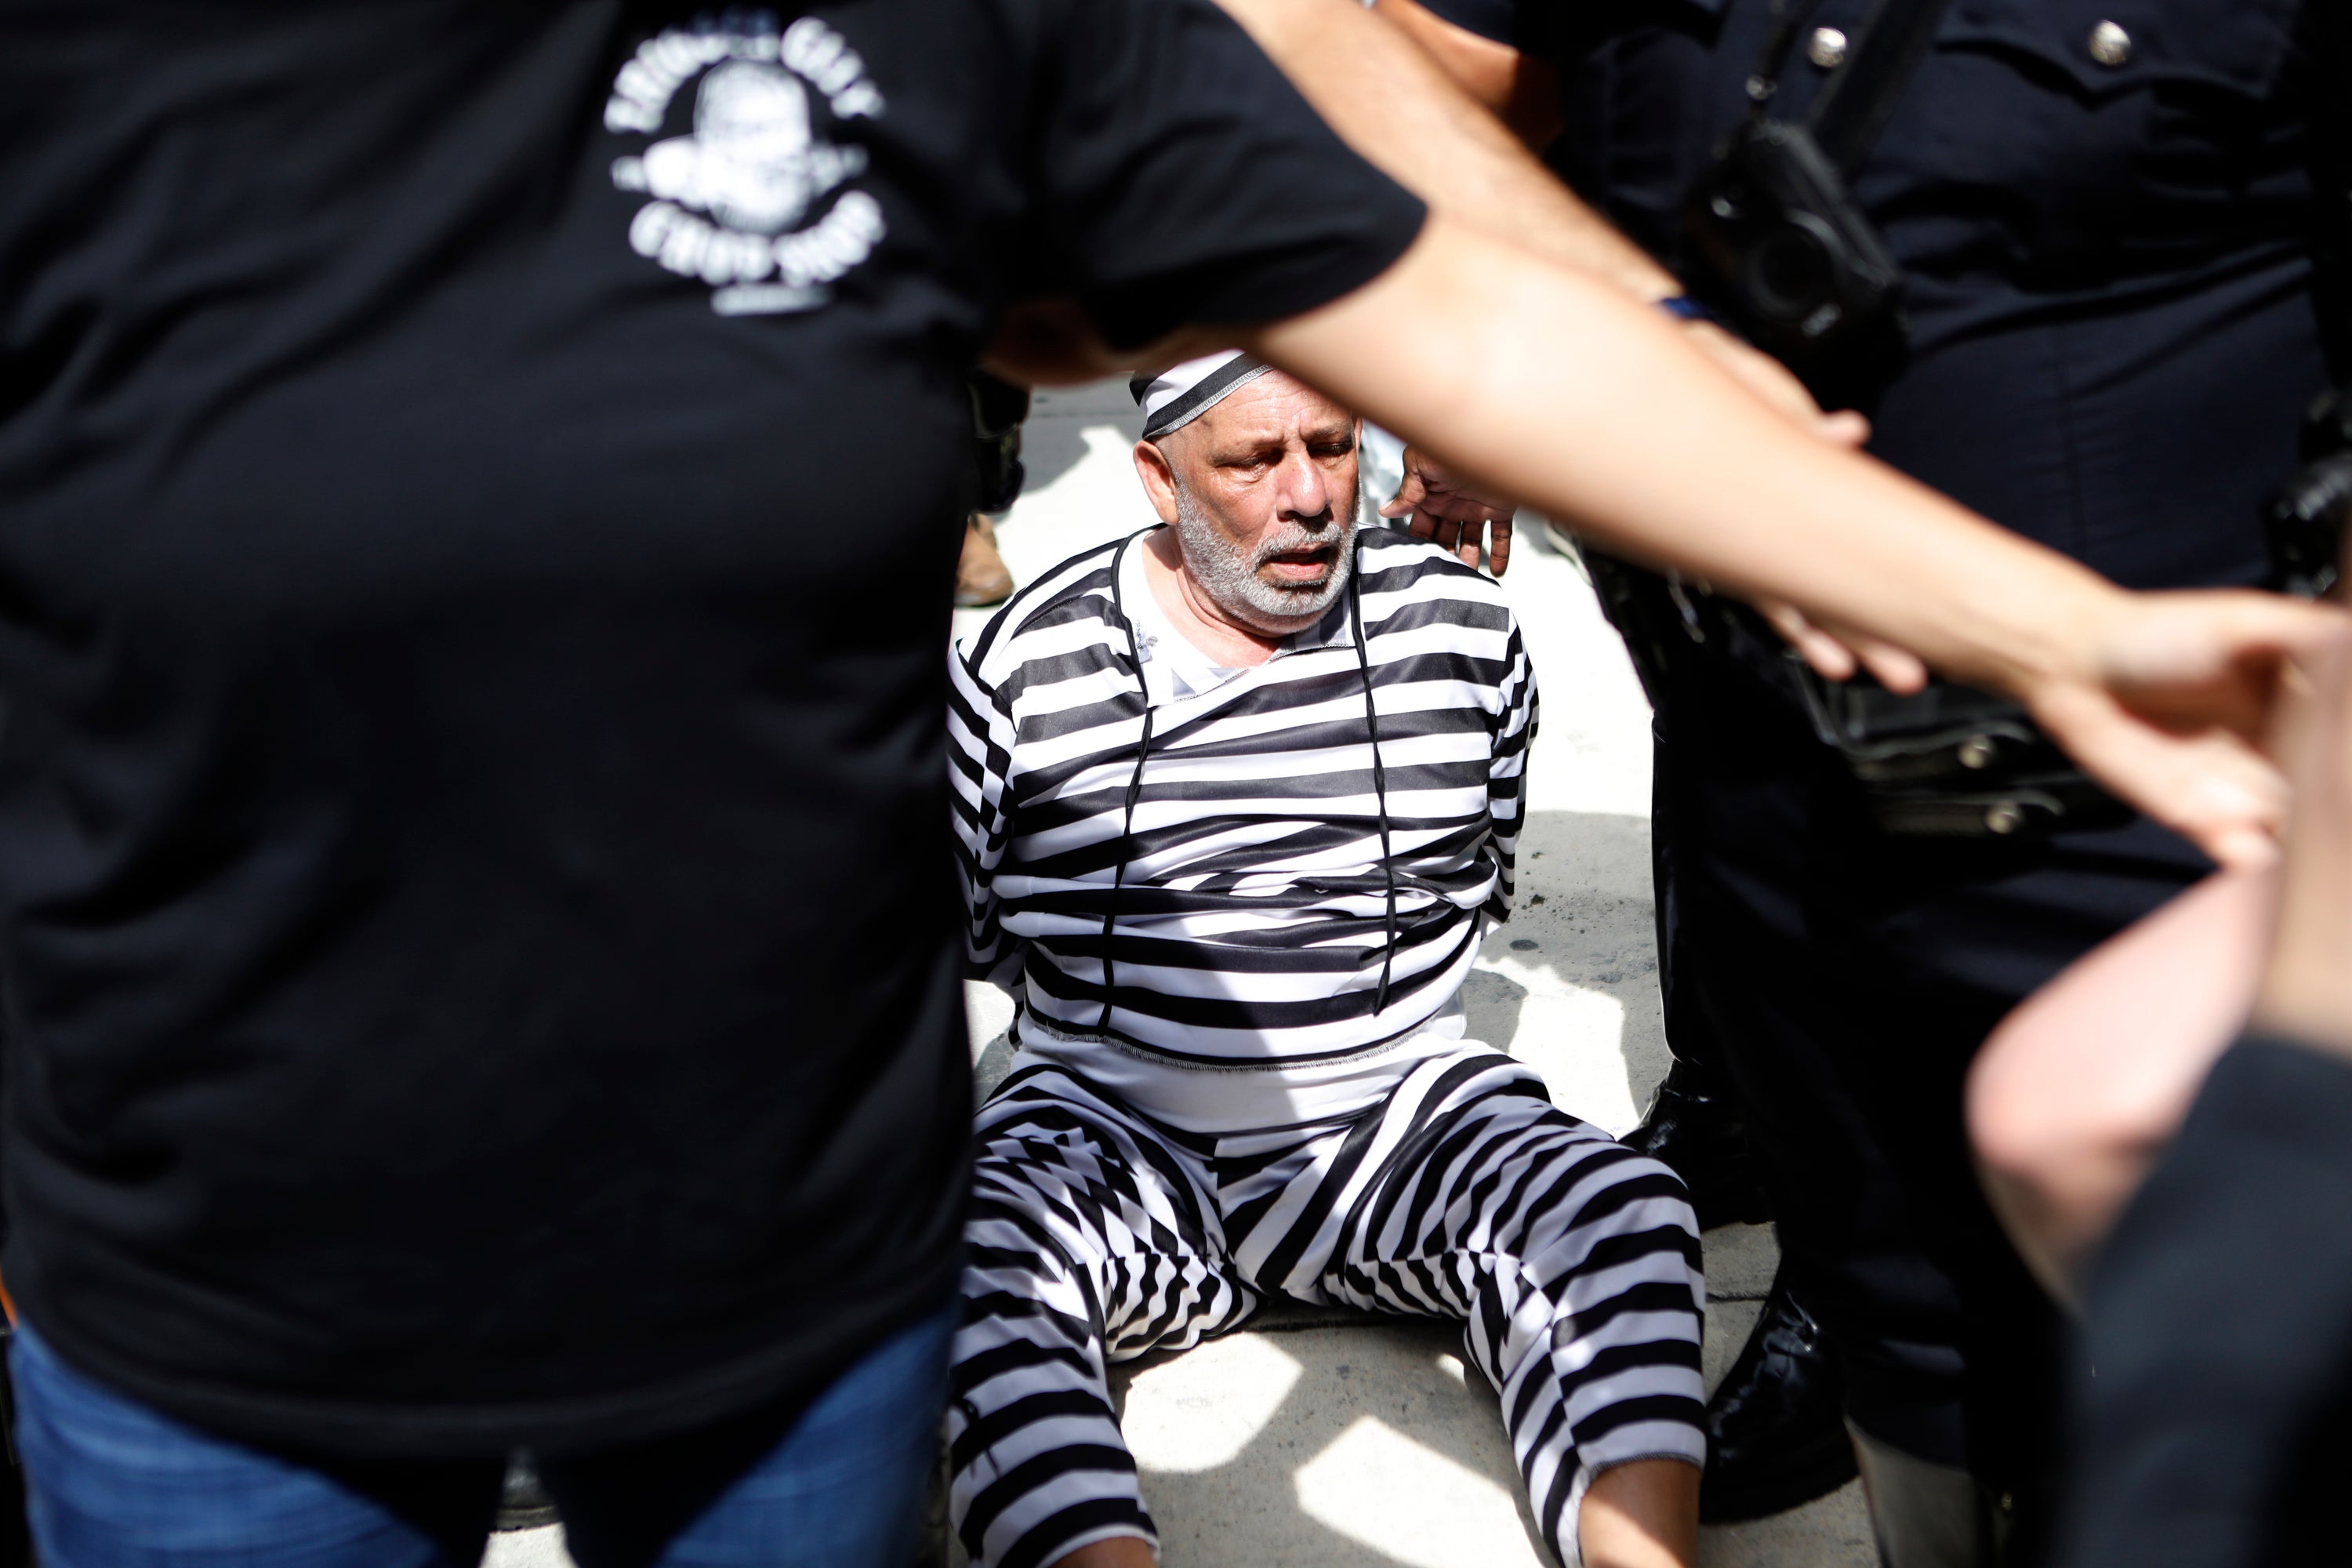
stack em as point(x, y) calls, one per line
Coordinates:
point(1683, 308)
point(2059, 636)
point(2306, 989)
point(2303, 1010)
point(2306, 992)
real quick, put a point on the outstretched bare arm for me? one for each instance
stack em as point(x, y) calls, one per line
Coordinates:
point(1554, 387)
point(1415, 119)
point(1413, 114)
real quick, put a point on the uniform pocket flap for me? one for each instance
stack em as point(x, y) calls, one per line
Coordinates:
point(2114, 45)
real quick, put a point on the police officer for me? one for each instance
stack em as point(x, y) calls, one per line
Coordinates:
point(2103, 213)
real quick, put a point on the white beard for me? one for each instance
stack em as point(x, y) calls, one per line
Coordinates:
point(1231, 582)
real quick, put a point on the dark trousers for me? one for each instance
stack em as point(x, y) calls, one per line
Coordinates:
point(1845, 979)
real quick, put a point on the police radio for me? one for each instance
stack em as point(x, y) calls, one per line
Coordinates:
point(2303, 523)
point(1788, 254)
point(2303, 520)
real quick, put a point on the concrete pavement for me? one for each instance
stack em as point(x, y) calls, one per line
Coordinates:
point(1310, 1442)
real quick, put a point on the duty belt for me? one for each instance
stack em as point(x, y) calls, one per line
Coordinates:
point(1948, 761)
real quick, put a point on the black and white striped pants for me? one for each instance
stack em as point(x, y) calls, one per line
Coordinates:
point(1097, 1236)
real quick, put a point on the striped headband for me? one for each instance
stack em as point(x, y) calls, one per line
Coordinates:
point(1183, 392)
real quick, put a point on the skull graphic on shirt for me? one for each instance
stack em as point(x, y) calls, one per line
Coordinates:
point(739, 200)
point(751, 163)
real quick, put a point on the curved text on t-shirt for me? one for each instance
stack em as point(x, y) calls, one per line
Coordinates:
point(671, 58)
point(733, 192)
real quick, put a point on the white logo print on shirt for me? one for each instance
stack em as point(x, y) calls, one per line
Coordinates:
point(752, 162)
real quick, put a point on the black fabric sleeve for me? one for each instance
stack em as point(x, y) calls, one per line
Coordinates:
point(2220, 1332)
point(1184, 180)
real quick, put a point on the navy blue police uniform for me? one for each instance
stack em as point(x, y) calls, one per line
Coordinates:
point(2103, 212)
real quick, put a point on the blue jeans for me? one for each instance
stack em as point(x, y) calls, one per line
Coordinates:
point(116, 1484)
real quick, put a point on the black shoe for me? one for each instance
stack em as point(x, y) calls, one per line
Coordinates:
point(1694, 1128)
point(524, 1503)
point(1776, 1433)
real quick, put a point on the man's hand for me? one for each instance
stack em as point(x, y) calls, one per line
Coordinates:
point(1452, 512)
point(2171, 700)
point(1836, 655)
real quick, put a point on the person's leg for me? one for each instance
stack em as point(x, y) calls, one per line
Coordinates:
point(2079, 1090)
point(114, 1484)
point(1853, 976)
point(1845, 1218)
point(1118, 1552)
point(1091, 1240)
point(1641, 1515)
point(1693, 1121)
point(1776, 1436)
point(1855, 1035)
point(1574, 1265)
point(1693, 1124)
point(1775, 1424)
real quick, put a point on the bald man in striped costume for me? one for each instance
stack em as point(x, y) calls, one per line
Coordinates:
point(1236, 799)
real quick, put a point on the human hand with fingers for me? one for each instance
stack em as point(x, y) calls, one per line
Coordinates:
point(1451, 512)
point(1834, 654)
point(1775, 384)
point(2173, 700)
point(1838, 655)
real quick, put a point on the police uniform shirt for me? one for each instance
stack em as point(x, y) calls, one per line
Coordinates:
point(478, 501)
point(2103, 213)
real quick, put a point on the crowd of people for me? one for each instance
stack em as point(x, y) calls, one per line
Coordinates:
point(491, 838)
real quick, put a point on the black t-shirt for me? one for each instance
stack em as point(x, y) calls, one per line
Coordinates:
point(477, 509)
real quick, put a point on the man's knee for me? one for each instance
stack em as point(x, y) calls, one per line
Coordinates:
point(1618, 1223)
point(1631, 1195)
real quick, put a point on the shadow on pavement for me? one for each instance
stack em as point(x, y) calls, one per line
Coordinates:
point(1386, 1451)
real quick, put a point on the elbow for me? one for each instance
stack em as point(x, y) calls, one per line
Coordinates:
point(2059, 1154)
point(2079, 1090)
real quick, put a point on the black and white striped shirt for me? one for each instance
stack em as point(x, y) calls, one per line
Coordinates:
point(1249, 908)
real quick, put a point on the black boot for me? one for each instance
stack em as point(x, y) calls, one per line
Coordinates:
point(1694, 1128)
point(1776, 1433)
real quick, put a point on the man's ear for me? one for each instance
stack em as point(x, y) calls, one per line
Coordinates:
point(1159, 479)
